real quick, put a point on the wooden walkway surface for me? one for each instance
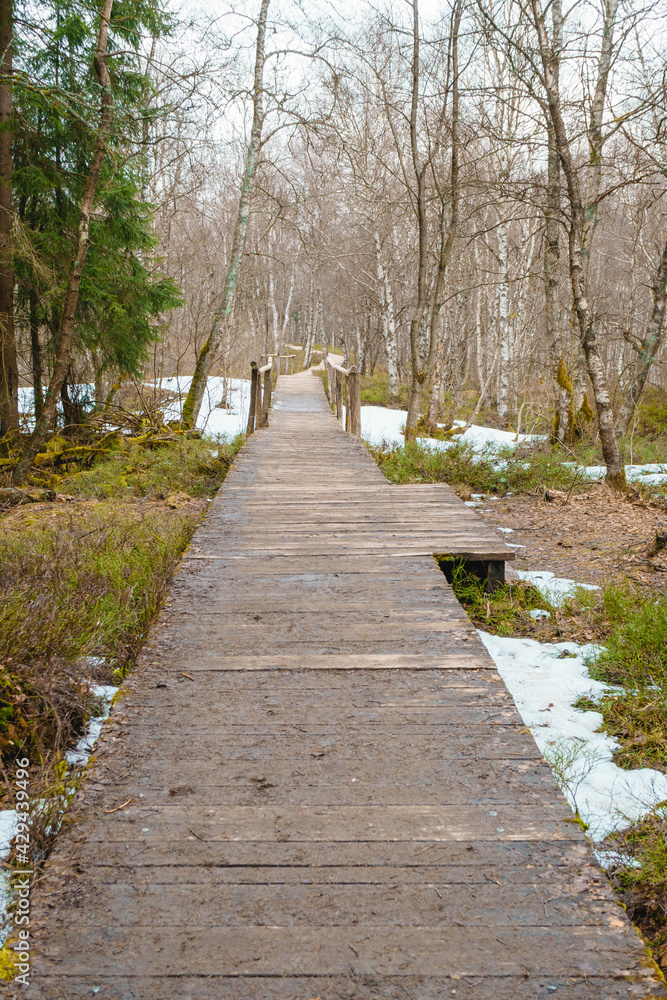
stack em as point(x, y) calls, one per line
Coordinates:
point(340, 801)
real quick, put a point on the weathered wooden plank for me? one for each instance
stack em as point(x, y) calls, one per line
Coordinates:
point(415, 823)
point(176, 902)
point(208, 662)
point(365, 950)
point(350, 986)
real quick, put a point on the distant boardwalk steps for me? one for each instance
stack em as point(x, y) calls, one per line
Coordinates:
point(340, 801)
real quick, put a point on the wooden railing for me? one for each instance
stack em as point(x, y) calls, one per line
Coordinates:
point(258, 411)
point(278, 359)
point(335, 376)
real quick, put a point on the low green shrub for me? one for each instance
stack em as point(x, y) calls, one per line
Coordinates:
point(635, 653)
point(460, 468)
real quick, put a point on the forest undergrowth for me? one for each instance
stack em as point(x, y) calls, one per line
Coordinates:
point(645, 442)
point(82, 576)
point(529, 469)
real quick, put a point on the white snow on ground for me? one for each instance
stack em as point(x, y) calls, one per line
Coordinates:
point(652, 472)
point(230, 421)
point(380, 424)
point(556, 589)
point(544, 687)
point(7, 830)
point(84, 747)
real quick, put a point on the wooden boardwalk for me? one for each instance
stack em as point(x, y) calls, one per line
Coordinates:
point(331, 792)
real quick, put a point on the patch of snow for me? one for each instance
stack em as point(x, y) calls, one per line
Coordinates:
point(614, 859)
point(539, 613)
point(556, 589)
point(652, 472)
point(83, 393)
point(480, 438)
point(228, 421)
point(544, 687)
point(378, 424)
point(506, 531)
point(8, 823)
point(84, 747)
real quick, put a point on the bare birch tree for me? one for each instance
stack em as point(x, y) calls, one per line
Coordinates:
point(193, 400)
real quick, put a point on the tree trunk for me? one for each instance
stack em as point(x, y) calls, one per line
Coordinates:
point(9, 373)
point(193, 400)
point(272, 302)
point(564, 416)
point(447, 232)
point(387, 318)
point(36, 356)
point(66, 332)
point(649, 345)
point(582, 218)
point(310, 331)
point(418, 372)
point(436, 383)
point(503, 328)
point(288, 306)
point(320, 324)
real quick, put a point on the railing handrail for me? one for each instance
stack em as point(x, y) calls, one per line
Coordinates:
point(287, 358)
point(339, 368)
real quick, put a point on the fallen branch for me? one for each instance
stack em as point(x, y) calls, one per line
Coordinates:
point(12, 496)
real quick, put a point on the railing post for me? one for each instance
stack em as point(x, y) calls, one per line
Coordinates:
point(354, 403)
point(254, 379)
point(339, 396)
point(266, 399)
point(330, 382)
point(258, 400)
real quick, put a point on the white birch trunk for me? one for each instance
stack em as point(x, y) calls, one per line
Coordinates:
point(387, 319)
point(503, 329)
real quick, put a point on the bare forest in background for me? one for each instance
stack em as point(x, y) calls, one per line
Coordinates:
point(469, 198)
